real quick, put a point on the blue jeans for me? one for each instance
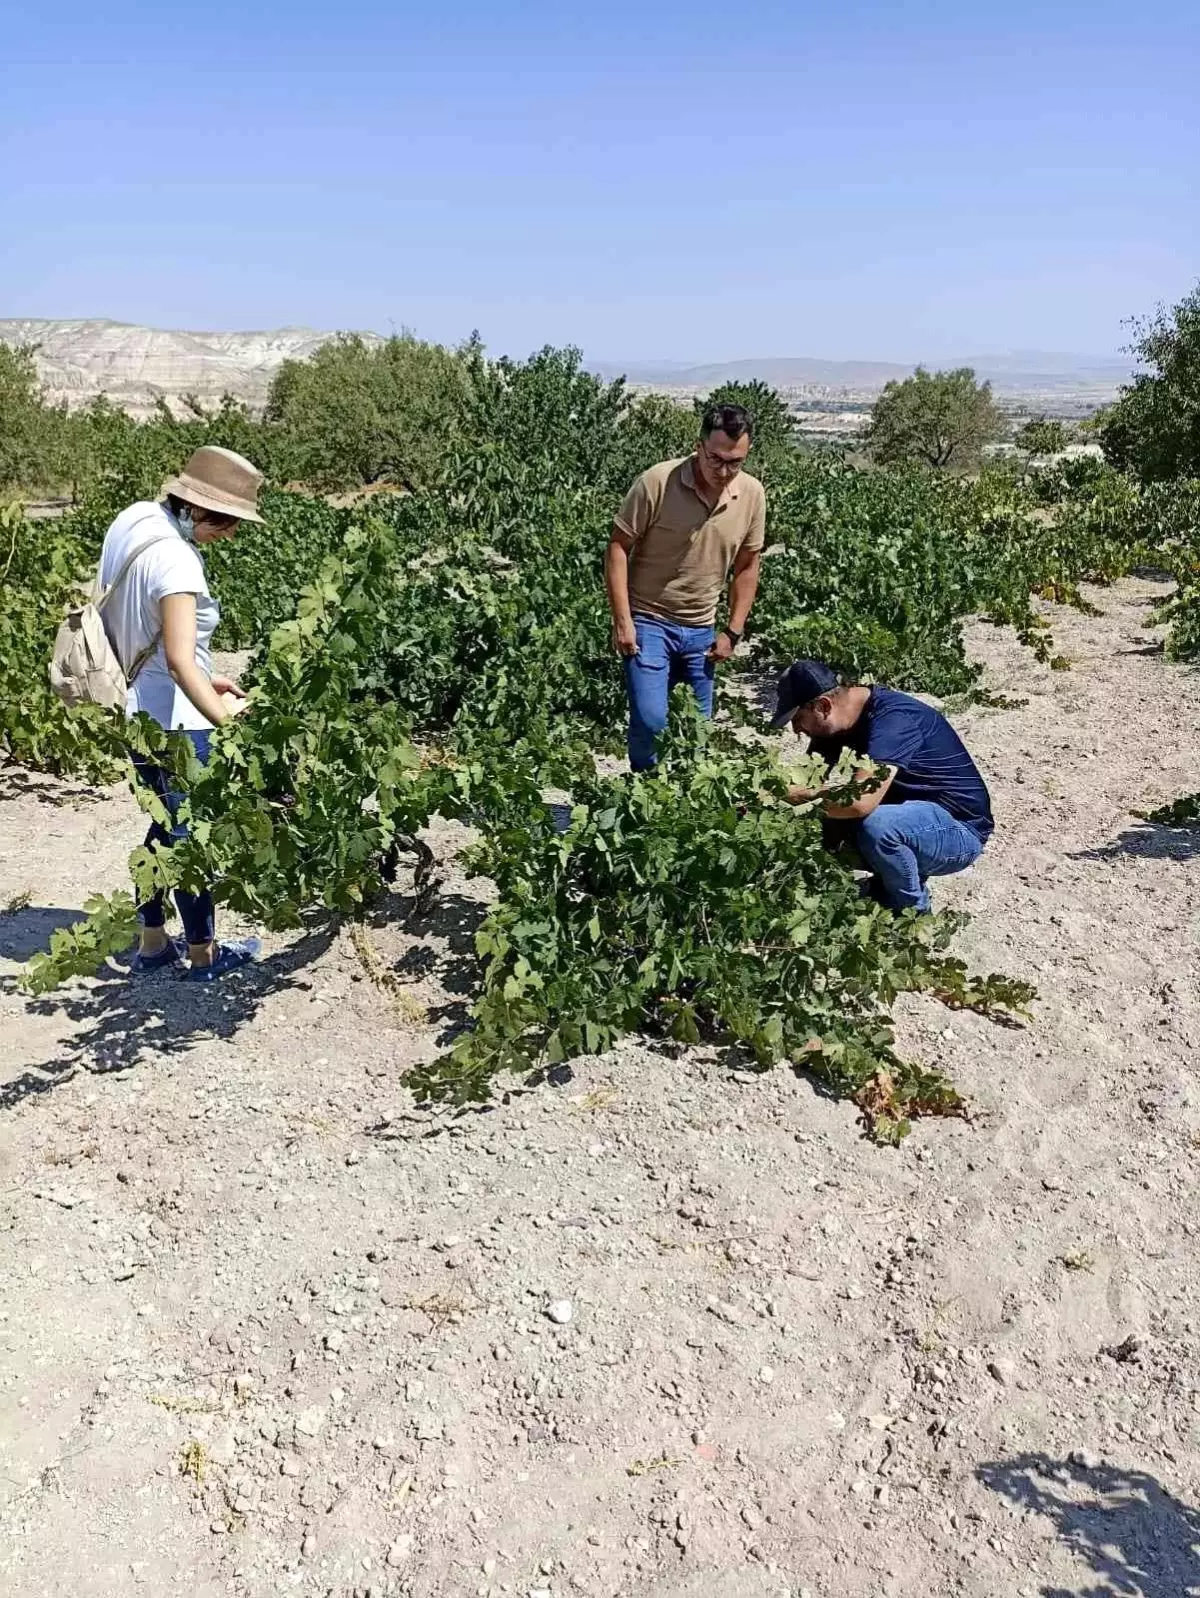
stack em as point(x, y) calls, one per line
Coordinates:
point(195, 909)
point(668, 653)
point(905, 843)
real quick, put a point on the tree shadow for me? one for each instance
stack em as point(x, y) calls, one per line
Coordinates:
point(446, 924)
point(121, 1019)
point(1136, 1537)
point(431, 1119)
point(1150, 840)
point(25, 931)
point(757, 688)
point(61, 792)
point(452, 920)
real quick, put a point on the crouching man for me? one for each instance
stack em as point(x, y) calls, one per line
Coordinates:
point(930, 816)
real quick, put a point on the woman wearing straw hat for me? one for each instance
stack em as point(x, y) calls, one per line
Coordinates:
point(160, 619)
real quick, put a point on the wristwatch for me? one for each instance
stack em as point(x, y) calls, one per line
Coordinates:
point(730, 633)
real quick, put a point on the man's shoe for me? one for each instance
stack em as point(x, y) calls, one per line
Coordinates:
point(226, 958)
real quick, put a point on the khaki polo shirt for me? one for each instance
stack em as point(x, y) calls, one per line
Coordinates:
point(683, 550)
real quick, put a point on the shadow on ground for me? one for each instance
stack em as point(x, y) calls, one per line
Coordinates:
point(451, 919)
point(1148, 841)
point(1139, 1540)
point(60, 792)
point(118, 1019)
point(25, 931)
point(121, 1019)
point(448, 955)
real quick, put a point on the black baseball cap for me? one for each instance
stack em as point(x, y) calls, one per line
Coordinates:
point(799, 685)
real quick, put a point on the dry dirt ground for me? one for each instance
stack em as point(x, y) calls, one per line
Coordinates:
point(264, 1329)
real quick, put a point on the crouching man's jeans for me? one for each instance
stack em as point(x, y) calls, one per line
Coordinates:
point(906, 843)
point(668, 653)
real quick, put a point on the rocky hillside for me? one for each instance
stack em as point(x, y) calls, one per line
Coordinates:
point(135, 366)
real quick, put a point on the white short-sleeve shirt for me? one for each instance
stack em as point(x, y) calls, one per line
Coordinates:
point(133, 616)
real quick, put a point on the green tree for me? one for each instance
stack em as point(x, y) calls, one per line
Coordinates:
point(655, 428)
point(563, 422)
point(1041, 437)
point(1153, 429)
point(549, 412)
point(942, 419)
point(23, 418)
point(354, 414)
point(109, 460)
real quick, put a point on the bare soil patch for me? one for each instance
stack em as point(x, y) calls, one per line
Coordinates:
point(266, 1329)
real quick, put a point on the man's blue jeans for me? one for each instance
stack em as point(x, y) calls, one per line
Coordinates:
point(668, 653)
point(903, 844)
point(195, 909)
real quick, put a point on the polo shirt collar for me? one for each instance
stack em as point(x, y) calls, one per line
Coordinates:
point(687, 476)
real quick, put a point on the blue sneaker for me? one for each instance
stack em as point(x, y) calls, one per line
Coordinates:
point(229, 957)
point(171, 955)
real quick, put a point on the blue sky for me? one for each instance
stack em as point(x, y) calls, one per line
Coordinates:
point(902, 180)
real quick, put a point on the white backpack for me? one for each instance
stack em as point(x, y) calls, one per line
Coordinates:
point(85, 669)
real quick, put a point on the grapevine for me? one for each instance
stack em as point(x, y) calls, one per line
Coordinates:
point(1183, 812)
point(697, 901)
point(448, 655)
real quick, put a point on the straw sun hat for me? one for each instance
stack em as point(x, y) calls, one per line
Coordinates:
point(218, 480)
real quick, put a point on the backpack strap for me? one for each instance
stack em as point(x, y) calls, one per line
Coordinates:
point(143, 655)
point(140, 659)
point(159, 538)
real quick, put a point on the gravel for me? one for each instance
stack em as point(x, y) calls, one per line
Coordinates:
point(806, 1363)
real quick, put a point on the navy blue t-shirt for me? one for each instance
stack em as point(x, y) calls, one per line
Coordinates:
point(930, 758)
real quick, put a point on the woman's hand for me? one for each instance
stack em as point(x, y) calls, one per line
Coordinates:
point(231, 696)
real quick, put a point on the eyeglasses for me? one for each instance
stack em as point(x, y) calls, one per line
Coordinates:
point(723, 463)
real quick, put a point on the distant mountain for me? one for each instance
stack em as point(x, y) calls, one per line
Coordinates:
point(1046, 369)
point(1016, 372)
point(135, 366)
point(779, 371)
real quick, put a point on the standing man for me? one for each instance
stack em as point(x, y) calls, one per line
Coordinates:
point(930, 816)
point(682, 527)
